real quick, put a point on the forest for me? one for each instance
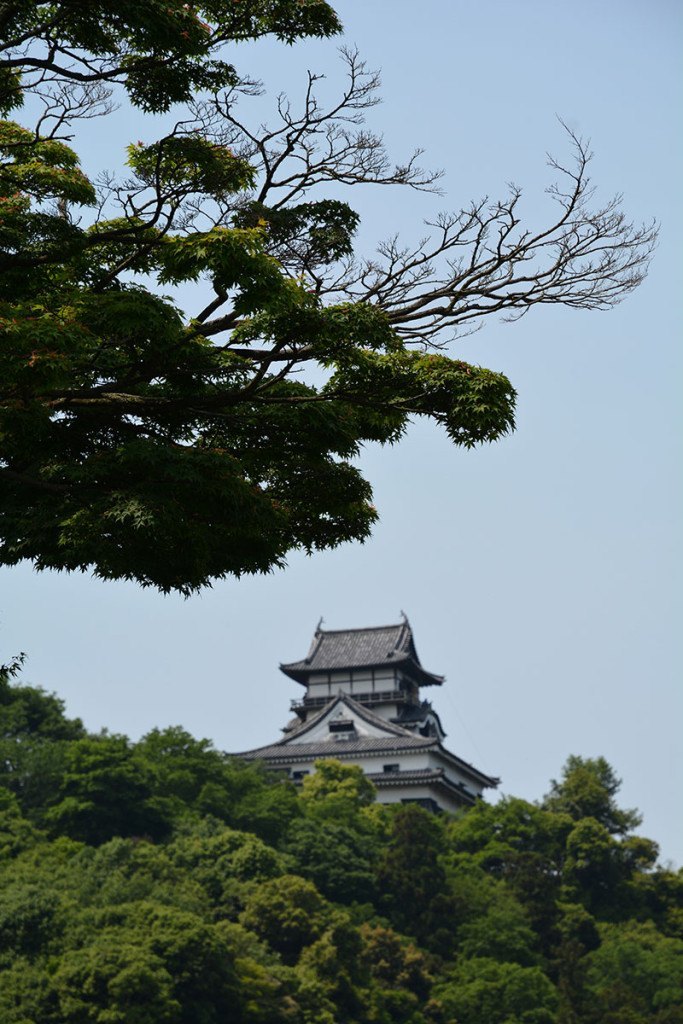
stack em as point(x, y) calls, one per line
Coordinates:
point(163, 881)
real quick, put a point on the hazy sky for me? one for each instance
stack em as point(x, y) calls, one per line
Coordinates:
point(542, 574)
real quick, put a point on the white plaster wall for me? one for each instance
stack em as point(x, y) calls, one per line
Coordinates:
point(397, 794)
point(319, 689)
point(321, 731)
point(385, 711)
point(363, 682)
point(418, 760)
point(406, 762)
point(360, 682)
point(340, 681)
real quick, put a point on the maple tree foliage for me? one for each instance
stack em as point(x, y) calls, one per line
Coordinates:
point(175, 448)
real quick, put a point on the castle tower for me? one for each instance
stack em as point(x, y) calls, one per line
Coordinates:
point(363, 705)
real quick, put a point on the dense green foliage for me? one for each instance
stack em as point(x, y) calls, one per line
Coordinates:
point(161, 881)
point(130, 440)
point(175, 449)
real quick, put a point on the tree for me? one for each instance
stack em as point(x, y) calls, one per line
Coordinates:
point(587, 790)
point(220, 860)
point(29, 915)
point(288, 912)
point(27, 712)
point(336, 791)
point(34, 734)
point(149, 962)
point(338, 859)
point(162, 52)
point(636, 975)
point(498, 993)
point(16, 833)
point(502, 933)
point(208, 924)
point(334, 967)
point(520, 844)
point(104, 793)
point(115, 980)
point(190, 777)
point(412, 880)
point(174, 449)
point(394, 962)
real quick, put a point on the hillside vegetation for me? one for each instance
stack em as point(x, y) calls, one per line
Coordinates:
point(160, 882)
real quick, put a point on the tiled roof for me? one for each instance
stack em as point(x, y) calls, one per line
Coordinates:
point(377, 647)
point(395, 739)
point(337, 748)
point(409, 775)
point(410, 715)
point(413, 713)
point(433, 776)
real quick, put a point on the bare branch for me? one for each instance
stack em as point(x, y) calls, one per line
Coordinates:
point(315, 144)
point(481, 261)
point(66, 102)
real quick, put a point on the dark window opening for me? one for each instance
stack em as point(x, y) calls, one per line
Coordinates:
point(426, 802)
point(298, 776)
point(391, 768)
point(342, 725)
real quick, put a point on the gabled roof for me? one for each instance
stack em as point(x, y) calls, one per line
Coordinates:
point(388, 739)
point(377, 647)
point(295, 744)
point(337, 703)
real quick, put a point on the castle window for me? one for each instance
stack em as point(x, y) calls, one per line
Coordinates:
point(391, 768)
point(342, 725)
point(426, 802)
point(298, 776)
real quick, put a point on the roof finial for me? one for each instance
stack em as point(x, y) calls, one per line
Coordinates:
point(317, 628)
point(404, 617)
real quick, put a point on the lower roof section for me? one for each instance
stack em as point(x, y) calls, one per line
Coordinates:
point(338, 748)
point(347, 731)
point(433, 777)
point(281, 755)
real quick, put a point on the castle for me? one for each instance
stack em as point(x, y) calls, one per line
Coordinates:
point(362, 705)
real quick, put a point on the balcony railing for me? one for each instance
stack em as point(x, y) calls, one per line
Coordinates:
point(381, 697)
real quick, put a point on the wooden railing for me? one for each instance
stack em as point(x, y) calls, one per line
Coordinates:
point(381, 697)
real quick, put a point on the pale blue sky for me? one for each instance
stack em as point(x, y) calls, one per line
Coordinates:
point(542, 574)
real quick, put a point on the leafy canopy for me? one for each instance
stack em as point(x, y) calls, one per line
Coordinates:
point(261, 904)
point(175, 449)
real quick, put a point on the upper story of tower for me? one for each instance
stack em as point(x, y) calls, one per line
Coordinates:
point(378, 667)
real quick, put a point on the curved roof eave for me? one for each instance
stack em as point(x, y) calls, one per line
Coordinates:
point(300, 672)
